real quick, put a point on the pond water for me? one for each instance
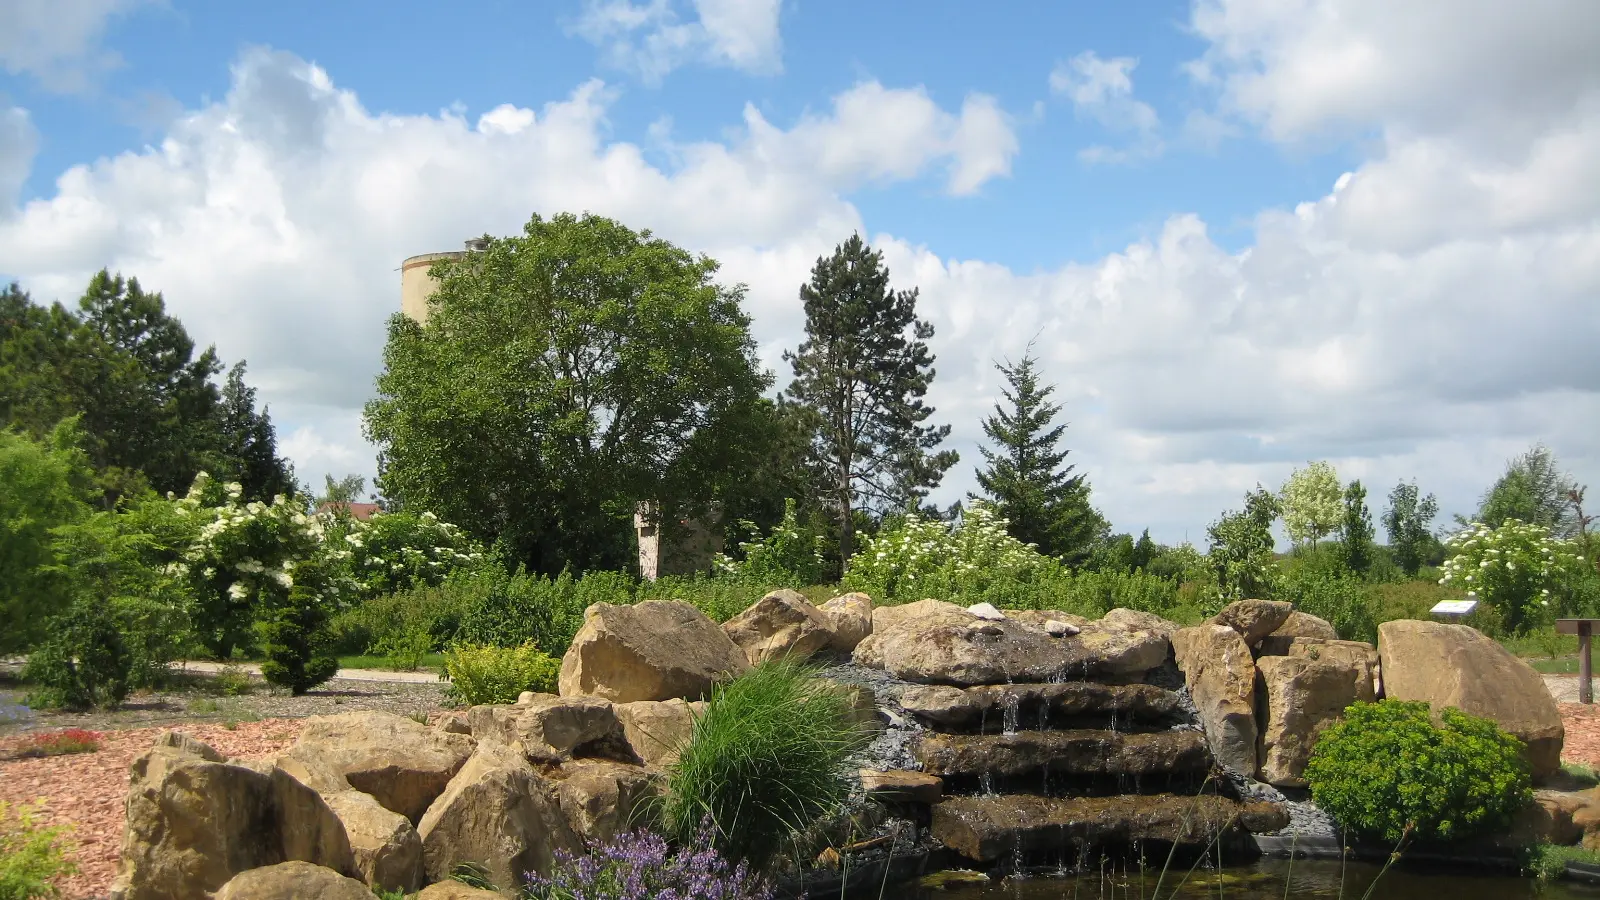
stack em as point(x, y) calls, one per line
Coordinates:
point(1266, 880)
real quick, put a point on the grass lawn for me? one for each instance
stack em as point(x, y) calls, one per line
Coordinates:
point(433, 662)
point(1562, 665)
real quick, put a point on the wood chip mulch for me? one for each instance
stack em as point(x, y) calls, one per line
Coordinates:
point(1582, 745)
point(87, 790)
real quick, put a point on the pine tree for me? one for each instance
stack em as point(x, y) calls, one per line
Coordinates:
point(1356, 529)
point(864, 367)
point(1026, 478)
point(249, 444)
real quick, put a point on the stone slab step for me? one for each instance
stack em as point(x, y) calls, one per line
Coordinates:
point(991, 707)
point(985, 829)
point(1074, 753)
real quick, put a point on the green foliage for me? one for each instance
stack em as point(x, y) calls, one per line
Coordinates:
point(1407, 521)
point(1517, 568)
point(1043, 503)
point(1241, 548)
point(518, 608)
point(1336, 596)
point(917, 558)
point(394, 551)
point(1310, 502)
point(720, 598)
point(1548, 862)
point(485, 674)
point(1533, 490)
point(1387, 770)
point(1356, 531)
point(562, 375)
point(769, 757)
point(43, 485)
point(864, 369)
point(790, 555)
point(32, 857)
point(83, 663)
point(293, 635)
point(391, 624)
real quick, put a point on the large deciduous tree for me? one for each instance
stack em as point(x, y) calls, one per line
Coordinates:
point(1534, 490)
point(1311, 501)
point(1407, 522)
point(562, 376)
point(1027, 477)
point(864, 367)
point(1241, 548)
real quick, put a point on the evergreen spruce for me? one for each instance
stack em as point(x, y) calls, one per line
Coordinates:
point(249, 444)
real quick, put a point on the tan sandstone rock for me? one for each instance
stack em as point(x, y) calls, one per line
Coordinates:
point(453, 890)
point(657, 729)
point(499, 813)
point(1221, 676)
point(193, 823)
point(1454, 665)
point(402, 763)
point(850, 620)
point(1134, 620)
point(293, 881)
point(1298, 625)
point(1299, 698)
point(388, 851)
point(1254, 619)
point(552, 729)
point(783, 623)
point(655, 650)
point(898, 786)
point(602, 798)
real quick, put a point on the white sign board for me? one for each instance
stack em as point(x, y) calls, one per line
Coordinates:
point(1454, 607)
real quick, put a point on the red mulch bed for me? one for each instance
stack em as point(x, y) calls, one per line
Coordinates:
point(86, 790)
point(1583, 733)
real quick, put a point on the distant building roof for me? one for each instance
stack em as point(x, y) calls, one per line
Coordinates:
point(361, 511)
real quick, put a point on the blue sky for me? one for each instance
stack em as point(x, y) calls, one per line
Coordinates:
point(1248, 233)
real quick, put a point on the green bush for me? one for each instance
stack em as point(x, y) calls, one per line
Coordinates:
point(1388, 769)
point(294, 638)
point(791, 554)
point(83, 663)
point(1333, 595)
point(720, 597)
point(31, 856)
point(393, 624)
point(45, 485)
point(519, 608)
point(767, 759)
point(487, 674)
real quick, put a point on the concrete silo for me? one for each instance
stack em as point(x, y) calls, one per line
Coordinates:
point(416, 285)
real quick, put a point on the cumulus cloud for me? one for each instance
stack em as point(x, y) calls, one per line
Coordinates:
point(1101, 90)
point(1429, 315)
point(651, 37)
point(58, 41)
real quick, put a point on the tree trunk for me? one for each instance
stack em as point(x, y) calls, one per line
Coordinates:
point(847, 522)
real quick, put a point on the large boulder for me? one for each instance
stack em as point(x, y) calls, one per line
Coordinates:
point(657, 730)
point(850, 620)
point(552, 729)
point(193, 822)
point(1298, 625)
point(453, 890)
point(293, 881)
point(499, 813)
point(1454, 665)
point(388, 851)
point(1221, 676)
point(400, 762)
point(655, 650)
point(602, 798)
point(783, 623)
point(1254, 619)
point(1299, 697)
point(1135, 620)
point(932, 642)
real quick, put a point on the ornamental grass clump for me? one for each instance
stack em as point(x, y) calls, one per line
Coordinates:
point(1387, 771)
point(639, 866)
point(768, 758)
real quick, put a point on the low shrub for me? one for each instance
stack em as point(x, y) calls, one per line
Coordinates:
point(517, 608)
point(720, 597)
point(1548, 862)
point(294, 639)
point(638, 864)
point(231, 681)
point(767, 759)
point(481, 673)
point(1387, 770)
point(32, 856)
point(61, 743)
point(83, 663)
point(1335, 596)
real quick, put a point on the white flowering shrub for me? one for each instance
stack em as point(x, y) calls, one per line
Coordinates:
point(920, 558)
point(1518, 569)
point(397, 551)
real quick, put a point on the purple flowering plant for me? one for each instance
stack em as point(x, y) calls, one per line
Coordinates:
point(640, 866)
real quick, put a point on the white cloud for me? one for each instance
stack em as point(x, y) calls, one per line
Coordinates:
point(651, 39)
point(58, 41)
point(19, 141)
point(1429, 316)
point(1101, 90)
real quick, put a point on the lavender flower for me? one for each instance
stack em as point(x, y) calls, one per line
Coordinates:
point(639, 866)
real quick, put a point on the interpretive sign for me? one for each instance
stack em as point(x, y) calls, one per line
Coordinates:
point(1454, 607)
point(1583, 628)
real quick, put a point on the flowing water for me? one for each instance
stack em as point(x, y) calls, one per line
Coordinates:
point(1266, 880)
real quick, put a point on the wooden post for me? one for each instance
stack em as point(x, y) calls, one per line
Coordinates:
point(1585, 667)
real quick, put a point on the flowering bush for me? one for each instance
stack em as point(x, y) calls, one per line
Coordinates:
point(921, 558)
point(61, 743)
point(639, 866)
point(249, 555)
point(791, 555)
point(1518, 569)
point(396, 551)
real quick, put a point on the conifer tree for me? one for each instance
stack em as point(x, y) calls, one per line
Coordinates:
point(249, 443)
point(1026, 477)
point(864, 367)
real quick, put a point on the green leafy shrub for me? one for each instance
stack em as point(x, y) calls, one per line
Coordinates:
point(46, 485)
point(32, 857)
point(719, 597)
point(791, 555)
point(1519, 569)
point(1333, 595)
point(917, 557)
point(767, 759)
point(519, 608)
point(394, 551)
point(1388, 768)
point(481, 673)
point(83, 663)
point(381, 624)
